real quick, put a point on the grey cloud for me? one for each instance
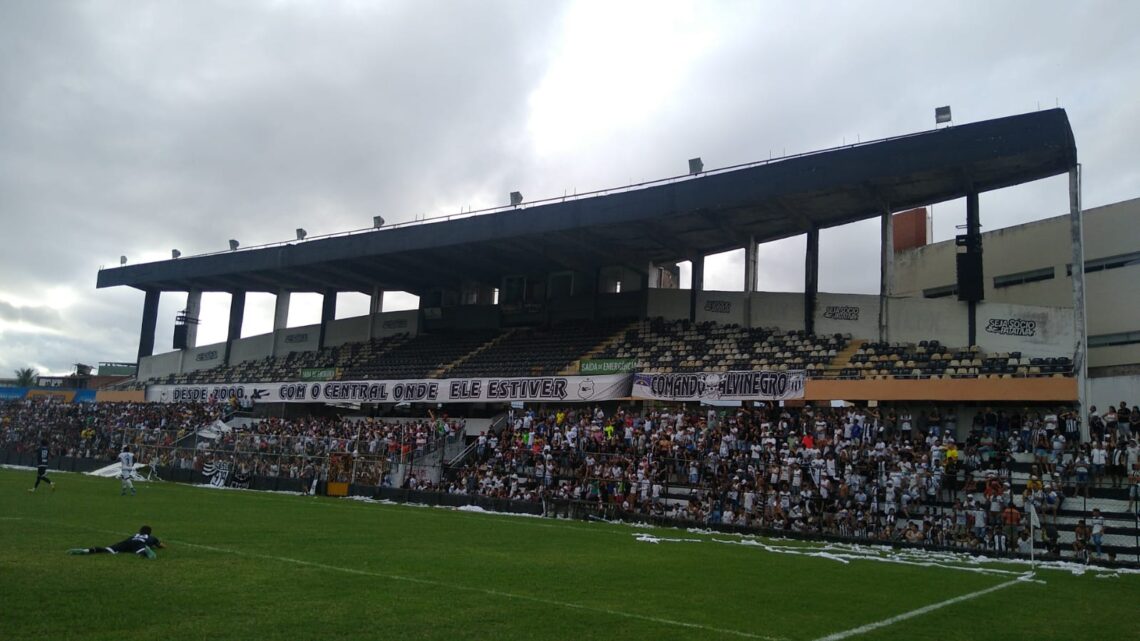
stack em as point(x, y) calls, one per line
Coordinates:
point(137, 128)
point(41, 317)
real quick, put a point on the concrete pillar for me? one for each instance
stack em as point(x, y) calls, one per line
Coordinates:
point(281, 310)
point(811, 278)
point(1080, 318)
point(149, 321)
point(376, 303)
point(886, 268)
point(654, 276)
point(697, 285)
point(328, 314)
point(750, 277)
point(237, 315)
point(193, 316)
point(750, 258)
point(973, 231)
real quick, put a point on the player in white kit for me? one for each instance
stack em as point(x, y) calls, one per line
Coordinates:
point(127, 460)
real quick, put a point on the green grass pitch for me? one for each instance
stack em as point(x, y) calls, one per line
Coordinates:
point(248, 565)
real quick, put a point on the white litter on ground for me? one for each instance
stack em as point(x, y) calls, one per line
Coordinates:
point(845, 553)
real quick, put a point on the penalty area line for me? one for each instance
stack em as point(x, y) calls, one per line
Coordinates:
point(863, 629)
point(455, 586)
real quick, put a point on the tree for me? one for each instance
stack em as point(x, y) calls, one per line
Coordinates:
point(26, 377)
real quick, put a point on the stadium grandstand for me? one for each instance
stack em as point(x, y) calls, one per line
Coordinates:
point(571, 375)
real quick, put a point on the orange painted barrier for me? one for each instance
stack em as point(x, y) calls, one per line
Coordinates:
point(120, 396)
point(954, 389)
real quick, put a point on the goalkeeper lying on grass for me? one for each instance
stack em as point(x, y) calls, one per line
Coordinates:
point(142, 544)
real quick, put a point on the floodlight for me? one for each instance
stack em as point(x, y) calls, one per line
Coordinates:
point(122, 260)
point(233, 245)
point(516, 198)
point(941, 115)
point(301, 233)
point(696, 166)
point(377, 221)
point(174, 253)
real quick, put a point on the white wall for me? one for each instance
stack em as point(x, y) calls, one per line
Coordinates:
point(910, 320)
point(784, 310)
point(391, 323)
point(1114, 355)
point(723, 308)
point(1110, 391)
point(251, 348)
point(670, 304)
point(204, 357)
point(1113, 305)
point(159, 365)
point(296, 339)
point(1046, 331)
point(347, 330)
point(855, 314)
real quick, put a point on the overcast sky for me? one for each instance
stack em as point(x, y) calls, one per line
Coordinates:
point(132, 128)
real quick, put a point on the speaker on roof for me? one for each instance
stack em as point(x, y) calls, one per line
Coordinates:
point(180, 337)
point(970, 287)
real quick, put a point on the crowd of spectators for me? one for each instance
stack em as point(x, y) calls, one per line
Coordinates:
point(859, 472)
point(847, 472)
point(168, 434)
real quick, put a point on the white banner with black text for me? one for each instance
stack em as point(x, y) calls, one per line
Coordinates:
point(753, 385)
point(554, 389)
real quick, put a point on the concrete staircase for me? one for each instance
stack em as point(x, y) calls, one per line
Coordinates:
point(843, 358)
point(572, 368)
point(439, 373)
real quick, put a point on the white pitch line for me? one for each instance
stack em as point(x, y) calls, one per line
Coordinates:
point(863, 629)
point(453, 586)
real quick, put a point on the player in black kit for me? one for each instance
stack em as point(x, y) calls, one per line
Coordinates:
point(42, 456)
point(142, 544)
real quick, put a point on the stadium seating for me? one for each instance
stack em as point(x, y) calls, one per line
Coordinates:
point(537, 351)
point(424, 356)
point(931, 359)
point(658, 345)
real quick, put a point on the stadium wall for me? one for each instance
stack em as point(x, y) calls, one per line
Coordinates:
point(296, 339)
point(392, 323)
point(624, 305)
point(1111, 239)
point(347, 330)
point(577, 307)
point(204, 357)
point(854, 314)
point(159, 365)
point(670, 304)
point(251, 348)
point(1111, 390)
point(1032, 330)
point(910, 320)
point(724, 308)
point(784, 310)
point(1115, 355)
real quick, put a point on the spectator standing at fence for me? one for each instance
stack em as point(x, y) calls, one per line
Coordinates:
point(1096, 425)
point(1118, 464)
point(1097, 529)
point(1133, 486)
point(1123, 422)
point(1011, 519)
point(1099, 456)
point(43, 455)
point(1110, 423)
